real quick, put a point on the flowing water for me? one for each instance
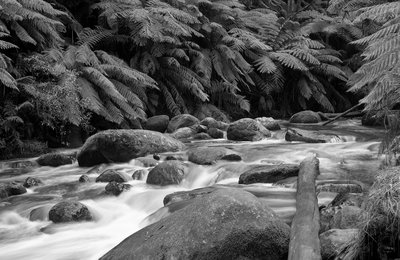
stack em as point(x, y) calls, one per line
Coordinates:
point(26, 233)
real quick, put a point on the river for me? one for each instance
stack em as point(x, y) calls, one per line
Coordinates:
point(354, 159)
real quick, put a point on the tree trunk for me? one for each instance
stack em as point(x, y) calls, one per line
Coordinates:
point(304, 239)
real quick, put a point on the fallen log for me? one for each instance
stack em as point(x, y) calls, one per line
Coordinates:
point(342, 114)
point(304, 239)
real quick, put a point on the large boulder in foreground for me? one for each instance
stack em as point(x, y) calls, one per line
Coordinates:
point(247, 129)
point(157, 123)
point(226, 224)
point(333, 241)
point(179, 121)
point(268, 173)
point(124, 145)
point(55, 159)
point(306, 117)
point(69, 211)
point(297, 135)
point(167, 173)
point(207, 155)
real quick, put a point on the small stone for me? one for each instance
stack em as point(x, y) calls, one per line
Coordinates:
point(84, 178)
point(156, 157)
point(31, 181)
point(139, 175)
point(116, 188)
point(232, 157)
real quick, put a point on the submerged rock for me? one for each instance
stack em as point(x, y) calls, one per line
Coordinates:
point(297, 135)
point(139, 174)
point(247, 129)
point(232, 157)
point(55, 159)
point(268, 173)
point(69, 211)
point(306, 117)
point(11, 189)
point(179, 121)
point(84, 178)
point(226, 224)
point(115, 188)
point(124, 145)
point(157, 123)
point(333, 241)
point(167, 173)
point(207, 155)
point(111, 175)
point(32, 181)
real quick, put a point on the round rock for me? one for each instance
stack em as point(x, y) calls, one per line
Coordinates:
point(69, 211)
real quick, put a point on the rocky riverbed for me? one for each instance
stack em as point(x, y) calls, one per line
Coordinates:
point(53, 208)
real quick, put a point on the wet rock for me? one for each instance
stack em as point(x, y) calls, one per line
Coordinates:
point(147, 162)
point(183, 133)
point(188, 195)
point(134, 124)
point(226, 224)
point(207, 155)
point(179, 121)
point(157, 123)
point(22, 164)
point(347, 199)
point(167, 173)
point(297, 135)
point(332, 241)
point(215, 133)
point(40, 213)
point(210, 122)
point(139, 174)
point(197, 128)
point(232, 157)
point(201, 136)
point(55, 159)
point(11, 189)
point(124, 145)
point(247, 129)
point(268, 173)
point(156, 157)
point(306, 117)
point(115, 188)
point(173, 158)
point(347, 217)
point(340, 188)
point(269, 123)
point(84, 178)
point(69, 211)
point(111, 175)
point(31, 181)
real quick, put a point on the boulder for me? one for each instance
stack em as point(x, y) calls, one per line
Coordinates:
point(247, 129)
point(167, 173)
point(210, 122)
point(268, 173)
point(147, 162)
point(333, 241)
point(115, 188)
point(340, 188)
point(232, 157)
point(207, 155)
point(180, 196)
point(139, 174)
point(173, 158)
point(31, 181)
point(69, 211)
point(124, 145)
point(111, 175)
point(269, 123)
point(134, 124)
point(201, 136)
point(183, 133)
point(84, 178)
point(55, 159)
point(305, 117)
point(11, 189)
point(226, 224)
point(179, 121)
point(215, 133)
point(347, 217)
point(157, 123)
point(297, 135)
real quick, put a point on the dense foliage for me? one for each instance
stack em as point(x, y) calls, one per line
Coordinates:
point(123, 60)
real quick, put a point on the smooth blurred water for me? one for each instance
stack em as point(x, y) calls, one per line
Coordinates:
point(354, 159)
